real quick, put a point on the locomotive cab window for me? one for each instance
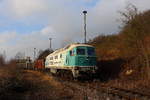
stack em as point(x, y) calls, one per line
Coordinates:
point(91, 52)
point(80, 51)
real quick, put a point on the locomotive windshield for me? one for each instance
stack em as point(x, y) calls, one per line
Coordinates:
point(80, 51)
point(91, 52)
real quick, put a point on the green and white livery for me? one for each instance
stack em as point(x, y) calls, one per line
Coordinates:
point(78, 58)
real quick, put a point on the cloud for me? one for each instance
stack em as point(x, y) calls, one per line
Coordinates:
point(7, 37)
point(23, 42)
point(23, 8)
point(61, 20)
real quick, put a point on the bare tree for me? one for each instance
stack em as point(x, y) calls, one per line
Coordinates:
point(128, 14)
point(44, 54)
point(2, 61)
point(19, 55)
point(135, 31)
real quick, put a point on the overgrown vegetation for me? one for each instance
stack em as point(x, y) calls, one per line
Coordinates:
point(131, 45)
point(44, 54)
point(19, 84)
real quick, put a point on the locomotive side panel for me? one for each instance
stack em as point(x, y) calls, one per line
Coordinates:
point(56, 60)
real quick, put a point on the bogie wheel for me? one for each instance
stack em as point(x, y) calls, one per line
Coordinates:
point(66, 74)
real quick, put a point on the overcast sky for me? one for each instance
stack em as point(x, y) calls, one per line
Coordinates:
point(28, 24)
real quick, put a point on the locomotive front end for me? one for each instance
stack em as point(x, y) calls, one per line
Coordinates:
point(85, 61)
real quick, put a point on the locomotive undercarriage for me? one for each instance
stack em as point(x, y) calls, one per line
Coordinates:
point(74, 72)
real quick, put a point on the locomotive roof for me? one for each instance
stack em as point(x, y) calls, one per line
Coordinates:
point(69, 47)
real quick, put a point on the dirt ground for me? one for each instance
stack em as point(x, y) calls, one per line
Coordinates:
point(19, 84)
point(34, 85)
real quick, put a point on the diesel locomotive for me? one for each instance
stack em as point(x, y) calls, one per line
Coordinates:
point(77, 58)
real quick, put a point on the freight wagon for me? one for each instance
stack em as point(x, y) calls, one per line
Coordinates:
point(39, 64)
point(76, 58)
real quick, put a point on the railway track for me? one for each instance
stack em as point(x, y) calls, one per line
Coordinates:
point(97, 91)
point(124, 94)
point(105, 92)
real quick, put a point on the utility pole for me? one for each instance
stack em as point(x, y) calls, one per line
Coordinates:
point(84, 12)
point(50, 43)
point(34, 53)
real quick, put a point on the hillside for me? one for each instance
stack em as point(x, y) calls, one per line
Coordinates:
point(127, 54)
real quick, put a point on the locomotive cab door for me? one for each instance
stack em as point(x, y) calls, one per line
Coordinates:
point(70, 58)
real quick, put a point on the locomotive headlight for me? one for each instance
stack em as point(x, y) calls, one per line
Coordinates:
point(96, 68)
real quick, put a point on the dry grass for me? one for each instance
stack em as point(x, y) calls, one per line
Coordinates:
point(33, 85)
point(18, 84)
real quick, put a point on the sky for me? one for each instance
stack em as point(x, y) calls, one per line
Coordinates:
point(28, 24)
